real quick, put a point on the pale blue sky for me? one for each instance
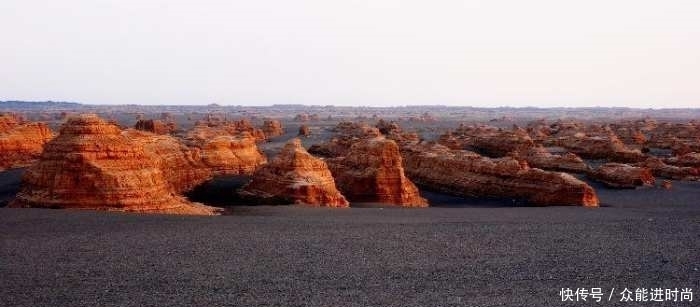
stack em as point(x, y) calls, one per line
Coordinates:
point(481, 53)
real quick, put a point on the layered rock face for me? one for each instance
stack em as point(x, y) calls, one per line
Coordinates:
point(372, 171)
point(304, 130)
point(618, 175)
point(661, 169)
point(214, 126)
point(92, 165)
point(347, 134)
point(225, 153)
point(539, 157)
point(155, 126)
point(181, 166)
point(295, 176)
point(600, 147)
point(489, 140)
point(272, 128)
point(21, 144)
point(465, 173)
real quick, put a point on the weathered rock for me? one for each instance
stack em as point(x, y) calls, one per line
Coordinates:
point(92, 165)
point(539, 157)
point(295, 176)
point(21, 144)
point(618, 175)
point(661, 169)
point(225, 153)
point(372, 171)
point(155, 126)
point(347, 134)
point(304, 130)
point(666, 184)
point(491, 141)
point(600, 147)
point(272, 128)
point(465, 173)
point(181, 166)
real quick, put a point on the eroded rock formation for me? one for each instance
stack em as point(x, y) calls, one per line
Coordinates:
point(272, 128)
point(372, 171)
point(21, 143)
point(92, 165)
point(618, 175)
point(540, 157)
point(466, 173)
point(155, 126)
point(225, 152)
point(295, 176)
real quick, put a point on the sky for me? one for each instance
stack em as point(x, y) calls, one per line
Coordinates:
point(542, 53)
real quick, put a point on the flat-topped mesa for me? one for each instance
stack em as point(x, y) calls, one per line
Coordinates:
point(224, 127)
point(295, 176)
point(618, 175)
point(372, 172)
point(540, 157)
point(182, 166)
point(21, 144)
point(465, 173)
point(155, 126)
point(225, 153)
point(272, 128)
point(92, 165)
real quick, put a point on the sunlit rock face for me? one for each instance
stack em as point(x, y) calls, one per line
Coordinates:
point(466, 173)
point(21, 143)
point(295, 176)
point(92, 165)
point(372, 171)
point(618, 175)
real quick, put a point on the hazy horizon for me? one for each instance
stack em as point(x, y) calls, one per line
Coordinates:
point(540, 53)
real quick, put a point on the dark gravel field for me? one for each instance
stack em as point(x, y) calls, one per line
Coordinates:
point(479, 255)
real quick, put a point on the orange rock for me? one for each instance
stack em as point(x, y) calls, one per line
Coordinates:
point(226, 152)
point(539, 157)
point(600, 147)
point(618, 175)
point(304, 130)
point(272, 128)
point(92, 165)
point(296, 176)
point(155, 126)
point(21, 144)
point(372, 171)
point(491, 141)
point(661, 169)
point(181, 166)
point(466, 173)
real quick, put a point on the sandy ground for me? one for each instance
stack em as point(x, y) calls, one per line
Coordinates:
point(296, 256)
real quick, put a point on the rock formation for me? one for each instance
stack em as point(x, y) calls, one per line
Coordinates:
point(21, 143)
point(156, 126)
point(661, 169)
point(618, 175)
point(540, 157)
point(464, 173)
point(295, 176)
point(491, 141)
point(272, 128)
point(92, 165)
point(372, 171)
point(347, 134)
point(304, 130)
point(226, 153)
point(600, 147)
point(181, 166)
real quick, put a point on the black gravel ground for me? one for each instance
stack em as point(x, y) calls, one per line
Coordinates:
point(296, 256)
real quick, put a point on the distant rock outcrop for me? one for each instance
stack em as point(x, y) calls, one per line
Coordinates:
point(304, 130)
point(155, 126)
point(92, 165)
point(295, 176)
point(372, 171)
point(226, 153)
point(618, 175)
point(21, 143)
point(272, 128)
point(540, 157)
point(465, 173)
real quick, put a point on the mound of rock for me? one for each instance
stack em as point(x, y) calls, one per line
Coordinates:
point(540, 157)
point(600, 147)
point(225, 152)
point(661, 169)
point(295, 176)
point(272, 128)
point(618, 175)
point(155, 126)
point(304, 130)
point(491, 141)
point(465, 173)
point(92, 165)
point(372, 172)
point(21, 144)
